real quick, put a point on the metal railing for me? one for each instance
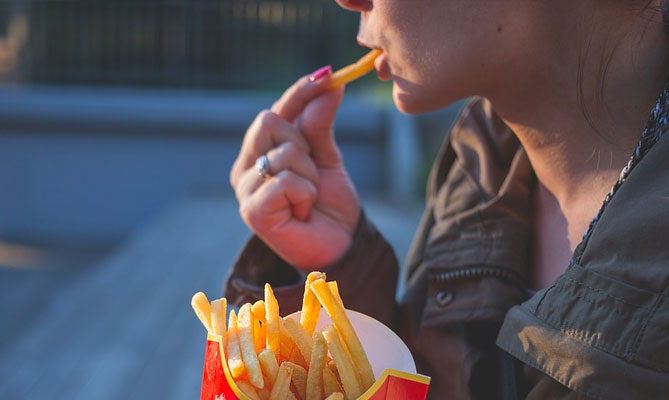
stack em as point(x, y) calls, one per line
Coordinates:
point(200, 43)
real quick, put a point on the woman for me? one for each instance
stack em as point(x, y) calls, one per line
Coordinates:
point(505, 295)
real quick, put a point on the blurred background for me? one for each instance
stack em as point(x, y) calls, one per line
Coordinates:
point(119, 122)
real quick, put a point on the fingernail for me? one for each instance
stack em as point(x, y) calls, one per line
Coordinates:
point(321, 72)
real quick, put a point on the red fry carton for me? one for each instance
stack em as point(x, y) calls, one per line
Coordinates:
point(391, 362)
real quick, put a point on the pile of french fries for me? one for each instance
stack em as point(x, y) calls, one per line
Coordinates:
point(277, 358)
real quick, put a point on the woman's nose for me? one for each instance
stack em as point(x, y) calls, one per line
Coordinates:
point(356, 5)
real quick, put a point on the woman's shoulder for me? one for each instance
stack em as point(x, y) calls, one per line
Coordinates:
point(609, 312)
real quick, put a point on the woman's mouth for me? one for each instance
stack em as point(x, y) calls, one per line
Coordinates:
point(382, 67)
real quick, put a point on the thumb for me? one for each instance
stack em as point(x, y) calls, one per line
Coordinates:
point(317, 126)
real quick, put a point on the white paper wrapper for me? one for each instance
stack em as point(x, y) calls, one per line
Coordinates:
point(383, 347)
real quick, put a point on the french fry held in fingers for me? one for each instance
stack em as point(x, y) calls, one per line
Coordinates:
point(282, 384)
point(247, 346)
point(311, 307)
point(202, 309)
point(355, 70)
point(349, 379)
point(337, 314)
point(234, 352)
point(319, 353)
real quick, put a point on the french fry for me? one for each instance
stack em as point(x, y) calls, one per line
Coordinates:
point(271, 369)
point(280, 358)
point(286, 345)
point(218, 310)
point(288, 351)
point(299, 378)
point(300, 337)
point(269, 365)
point(258, 309)
point(258, 335)
point(335, 396)
point(246, 344)
point(202, 309)
point(337, 314)
point(296, 358)
point(264, 393)
point(248, 390)
point(333, 367)
point(282, 384)
point(355, 70)
point(332, 285)
point(311, 308)
point(273, 320)
point(349, 380)
point(330, 383)
point(314, 377)
point(235, 362)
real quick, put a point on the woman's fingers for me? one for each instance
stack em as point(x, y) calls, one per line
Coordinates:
point(277, 201)
point(295, 98)
point(316, 105)
point(290, 156)
point(267, 131)
point(316, 125)
point(287, 156)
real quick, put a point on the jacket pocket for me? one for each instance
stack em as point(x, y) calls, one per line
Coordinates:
point(474, 293)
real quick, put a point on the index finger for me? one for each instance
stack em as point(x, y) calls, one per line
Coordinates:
point(295, 98)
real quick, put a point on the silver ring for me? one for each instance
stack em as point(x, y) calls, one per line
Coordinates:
point(262, 165)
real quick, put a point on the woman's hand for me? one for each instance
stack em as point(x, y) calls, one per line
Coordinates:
point(306, 209)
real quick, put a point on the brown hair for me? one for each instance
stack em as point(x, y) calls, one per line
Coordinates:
point(605, 62)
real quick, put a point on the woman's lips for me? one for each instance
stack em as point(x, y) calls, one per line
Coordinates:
point(382, 67)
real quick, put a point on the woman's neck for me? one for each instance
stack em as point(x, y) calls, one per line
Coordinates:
point(580, 109)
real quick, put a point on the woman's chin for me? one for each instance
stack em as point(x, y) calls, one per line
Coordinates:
point(410, 103)
point(419, 99)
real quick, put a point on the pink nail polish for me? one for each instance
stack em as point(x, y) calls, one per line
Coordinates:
point(321, 72)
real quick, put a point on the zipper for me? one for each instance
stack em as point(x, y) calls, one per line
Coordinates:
point(478, 272)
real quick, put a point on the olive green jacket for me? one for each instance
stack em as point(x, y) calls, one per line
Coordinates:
point(600, 331)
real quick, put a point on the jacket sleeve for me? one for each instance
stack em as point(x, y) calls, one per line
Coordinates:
point(367, 275)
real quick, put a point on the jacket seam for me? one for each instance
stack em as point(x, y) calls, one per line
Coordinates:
point(611, 309)
point(642, 331)
point(580, 283)
point(541, 300)
point(583, 335)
